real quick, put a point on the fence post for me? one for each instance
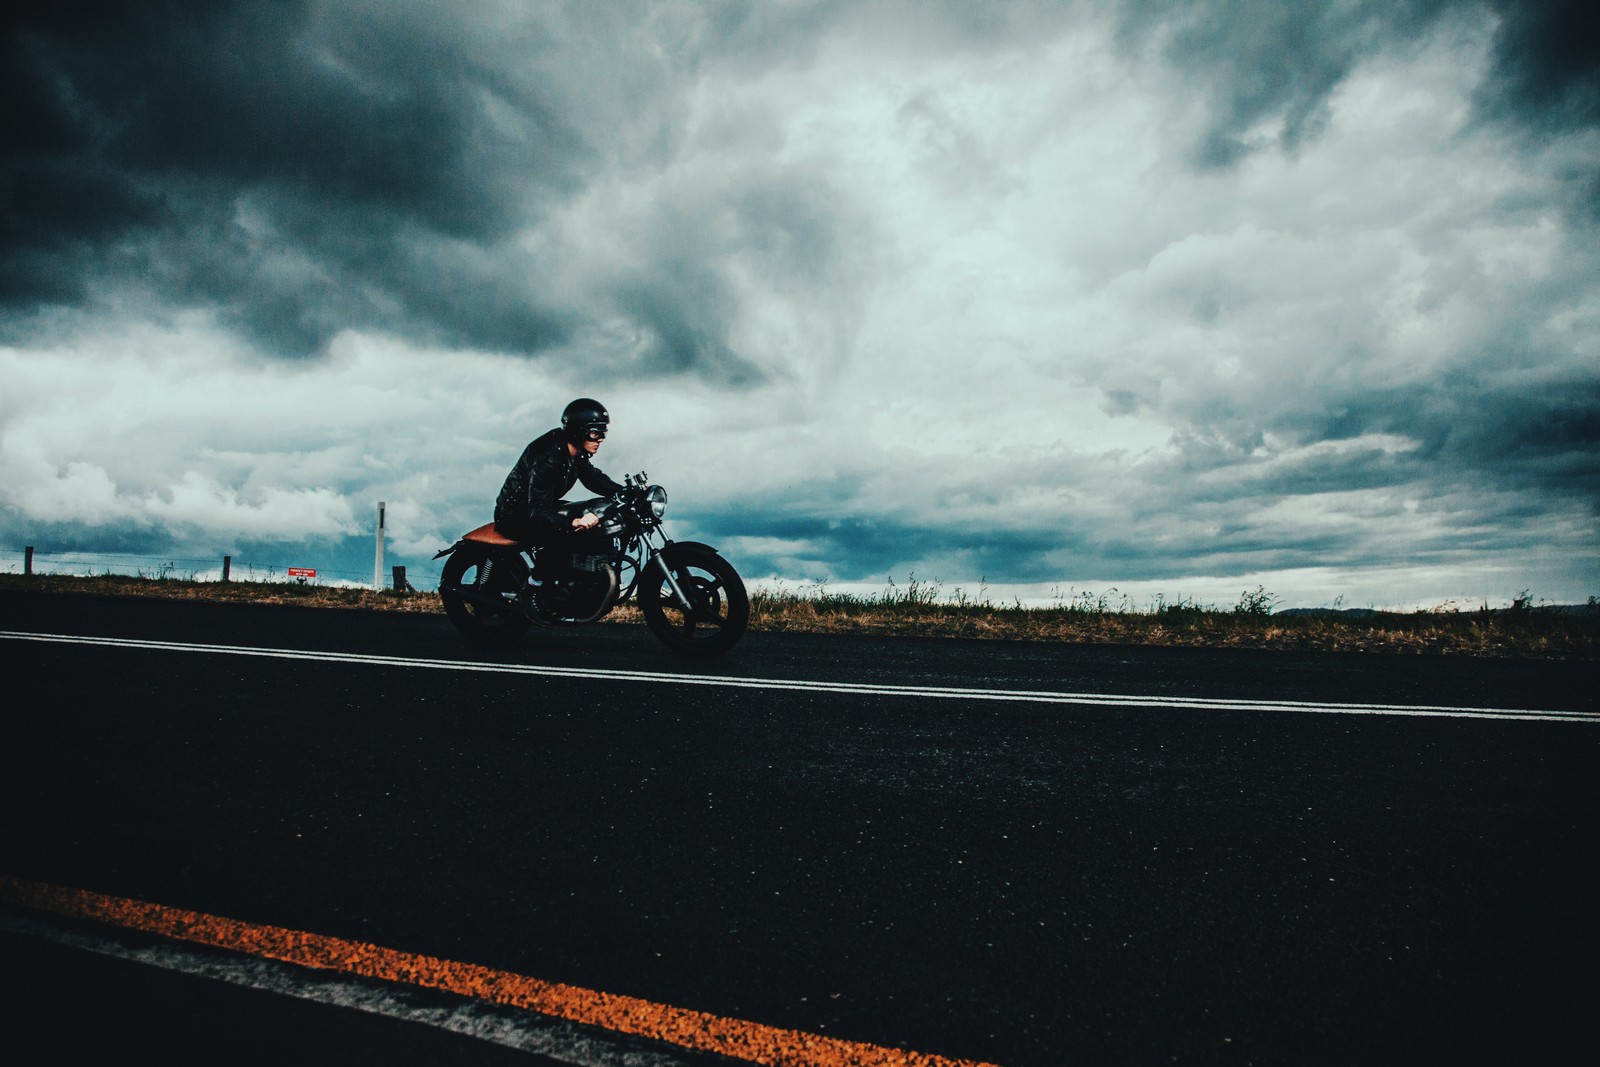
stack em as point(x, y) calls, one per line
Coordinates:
point(399, 579)
point(27, 560)
point(227, 565)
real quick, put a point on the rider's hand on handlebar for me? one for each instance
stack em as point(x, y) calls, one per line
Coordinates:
point(586, 521)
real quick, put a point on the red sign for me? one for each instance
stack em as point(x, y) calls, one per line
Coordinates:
point(302, 572)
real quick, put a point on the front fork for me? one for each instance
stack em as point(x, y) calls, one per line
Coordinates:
point(672, 582)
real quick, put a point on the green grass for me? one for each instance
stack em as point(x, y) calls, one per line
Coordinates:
point(923, 609)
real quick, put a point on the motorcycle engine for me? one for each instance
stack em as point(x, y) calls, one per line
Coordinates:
point(573, 588)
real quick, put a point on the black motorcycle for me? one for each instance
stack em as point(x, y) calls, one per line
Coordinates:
point(495, 588)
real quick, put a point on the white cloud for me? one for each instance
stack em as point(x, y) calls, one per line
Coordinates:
point(180, 427)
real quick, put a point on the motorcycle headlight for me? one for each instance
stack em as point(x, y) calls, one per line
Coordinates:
point(657, 497)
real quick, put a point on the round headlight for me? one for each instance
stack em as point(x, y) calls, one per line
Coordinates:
point(658, 500)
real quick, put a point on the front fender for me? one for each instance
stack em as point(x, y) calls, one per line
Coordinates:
point(443, 552)
point(692, 546)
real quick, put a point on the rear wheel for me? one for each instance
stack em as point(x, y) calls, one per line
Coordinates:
point(718, 611)
point(479, 591)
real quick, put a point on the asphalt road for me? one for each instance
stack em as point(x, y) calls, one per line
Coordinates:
point(1015, 881)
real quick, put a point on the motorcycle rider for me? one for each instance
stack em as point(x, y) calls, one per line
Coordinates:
point(528, 508)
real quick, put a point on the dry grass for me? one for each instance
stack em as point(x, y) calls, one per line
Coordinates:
point(307, 594)
point(1524, 633)
point(1533, 634)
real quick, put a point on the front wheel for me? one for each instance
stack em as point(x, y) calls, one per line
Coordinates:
point(479, 591)
point(718, 611)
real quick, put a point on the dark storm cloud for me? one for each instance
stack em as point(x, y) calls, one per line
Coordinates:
point(1544, 436)
point(875, 547)
point(1496, 464)
point(1534, 430)
point(298, 170)
point(143, 540)
point(1216, 537)
point(1261, 61)
point(1547, 63)
point(763, 222)
point(1480, 468)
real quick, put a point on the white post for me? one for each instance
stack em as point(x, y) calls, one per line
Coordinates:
point(377, 561)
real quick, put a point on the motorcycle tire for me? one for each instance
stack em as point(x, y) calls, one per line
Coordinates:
point(464, 592)
point(721, 608)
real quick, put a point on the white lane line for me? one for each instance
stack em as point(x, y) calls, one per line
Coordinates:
point(847, 688)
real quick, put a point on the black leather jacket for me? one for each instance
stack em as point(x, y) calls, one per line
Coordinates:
point(527, 508)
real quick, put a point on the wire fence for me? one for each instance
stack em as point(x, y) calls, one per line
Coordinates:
point(185, 568)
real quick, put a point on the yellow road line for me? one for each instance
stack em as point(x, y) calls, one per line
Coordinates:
point(700, 1031)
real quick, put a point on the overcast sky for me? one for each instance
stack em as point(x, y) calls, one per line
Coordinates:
point(1175, 297)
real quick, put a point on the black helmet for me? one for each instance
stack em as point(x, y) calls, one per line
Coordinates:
point(583, 415)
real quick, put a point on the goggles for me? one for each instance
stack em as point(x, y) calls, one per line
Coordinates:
point(594, 435)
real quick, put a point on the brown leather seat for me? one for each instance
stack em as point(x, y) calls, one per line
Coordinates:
point(488, 535)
